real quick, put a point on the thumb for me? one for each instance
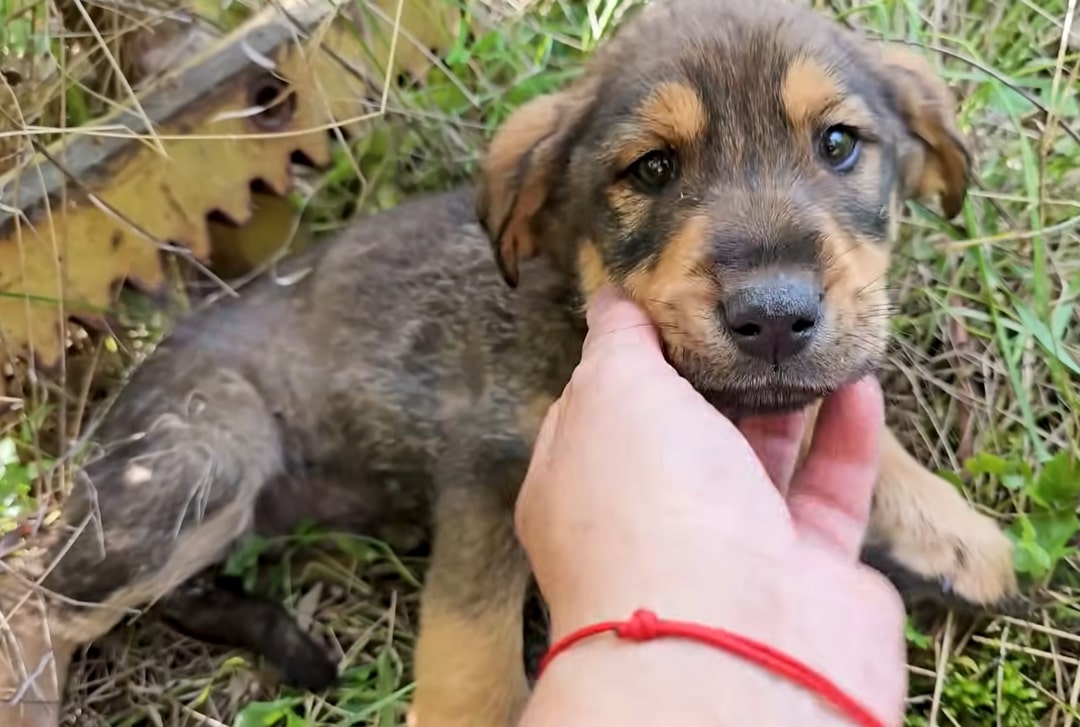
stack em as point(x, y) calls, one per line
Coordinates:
point(616, 322)
point(830, 497)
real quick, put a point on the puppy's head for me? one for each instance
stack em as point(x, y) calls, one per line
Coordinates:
point(737, 168)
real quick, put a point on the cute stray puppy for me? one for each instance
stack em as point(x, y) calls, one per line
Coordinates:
point(735, 167)
point(738, 168)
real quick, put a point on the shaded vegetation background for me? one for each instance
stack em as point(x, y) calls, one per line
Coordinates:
point(983, 378)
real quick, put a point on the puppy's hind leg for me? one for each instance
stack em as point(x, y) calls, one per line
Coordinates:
point(217, 609)
point(174, 488)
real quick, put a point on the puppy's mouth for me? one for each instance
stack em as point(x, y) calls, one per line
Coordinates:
point(738, 403)
point(771, 391)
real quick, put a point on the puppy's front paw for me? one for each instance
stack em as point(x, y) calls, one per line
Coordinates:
point(932, 543)
point(959, 557)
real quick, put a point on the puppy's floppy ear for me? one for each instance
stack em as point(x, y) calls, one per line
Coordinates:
point(940, 162)
point(520, 169)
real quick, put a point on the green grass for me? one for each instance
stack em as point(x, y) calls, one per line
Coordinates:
point(982, 384)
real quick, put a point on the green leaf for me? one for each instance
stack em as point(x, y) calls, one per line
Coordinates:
point(243, 561)
point(294, 720)
point(1014, 482)
point(16, 481)
point(264, 714)
point(1058, 485)
point(1014, 475)
point(985, 463)
point(1029, 556)
point(1032, 559)
point(1041, 332)
point(916, 637)
point(1042, 540)
point(384, 683)
point(1060, 320)
point(1054, 531)
point(8, 453)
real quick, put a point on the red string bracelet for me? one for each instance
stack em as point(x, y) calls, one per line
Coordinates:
point(645, 626)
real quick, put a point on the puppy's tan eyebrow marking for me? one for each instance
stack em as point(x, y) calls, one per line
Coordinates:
point(809, 90)
point(673, 115)
point(633, 146)
point(674, 112)
point(812, 96)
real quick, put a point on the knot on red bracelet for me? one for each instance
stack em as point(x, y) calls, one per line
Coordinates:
point(641, 626)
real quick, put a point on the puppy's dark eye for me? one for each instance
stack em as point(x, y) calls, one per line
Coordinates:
point(839, 147)
point(654, 170)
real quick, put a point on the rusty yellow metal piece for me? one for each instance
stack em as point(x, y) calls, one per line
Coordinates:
point(102, 208)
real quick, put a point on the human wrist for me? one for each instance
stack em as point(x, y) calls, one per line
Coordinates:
point(698, 588)
point(606, 680)
point(831, 616)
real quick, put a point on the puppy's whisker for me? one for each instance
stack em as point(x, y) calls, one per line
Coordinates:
point(831, 258)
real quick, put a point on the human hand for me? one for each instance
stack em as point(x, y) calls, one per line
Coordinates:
point(641, 495)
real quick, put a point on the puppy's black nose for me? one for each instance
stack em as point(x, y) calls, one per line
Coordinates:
point(773, 318)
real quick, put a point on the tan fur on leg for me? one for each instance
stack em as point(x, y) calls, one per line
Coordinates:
point(928, 528)
point(470, 668)
point(925, 525)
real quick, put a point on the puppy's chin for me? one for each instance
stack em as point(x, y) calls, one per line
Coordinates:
point(759, 391)
point(738, 403)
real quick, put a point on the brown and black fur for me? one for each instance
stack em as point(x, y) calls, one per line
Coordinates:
point(401, 379)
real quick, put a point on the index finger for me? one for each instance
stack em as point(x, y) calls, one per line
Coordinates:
point(831, 496)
